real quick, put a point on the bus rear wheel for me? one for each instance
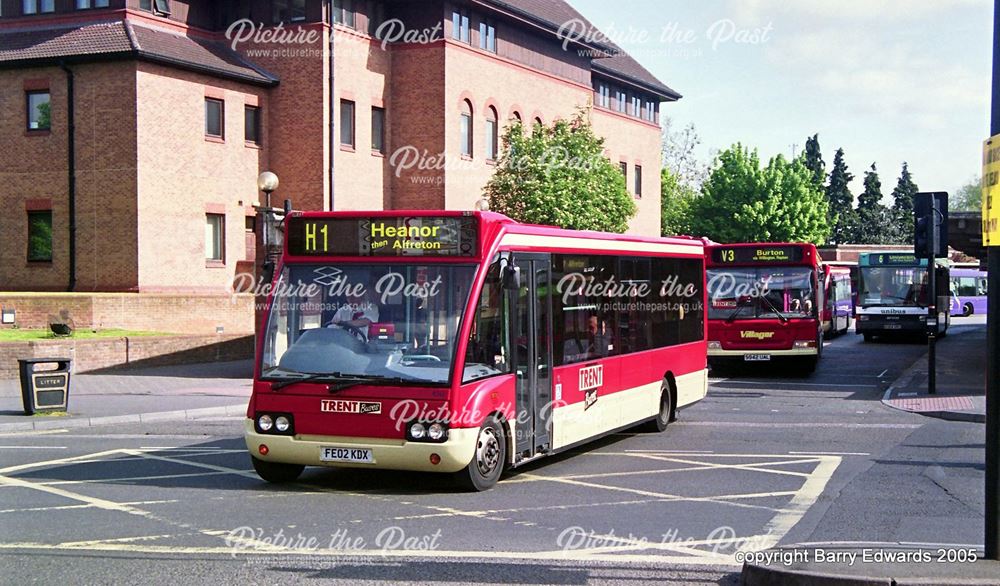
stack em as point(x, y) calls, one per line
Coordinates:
point(968, 310)
point(276, 472)
point(488, 460)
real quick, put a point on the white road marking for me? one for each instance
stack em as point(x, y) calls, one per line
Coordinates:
point(725, 424)
point(32, 447)
point(804, 498)
point(796, 383)
point(830, 453)
point(70, 460)
point(33, 432)
point(881, 374)
point(245, 473)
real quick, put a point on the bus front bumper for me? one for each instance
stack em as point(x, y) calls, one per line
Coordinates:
point(719, 353)
point(455, 453)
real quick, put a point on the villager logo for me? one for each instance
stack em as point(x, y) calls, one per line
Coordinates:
point(751, 335)
point(359, 407)
point(591, 377)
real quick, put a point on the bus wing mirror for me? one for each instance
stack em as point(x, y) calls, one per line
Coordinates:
point(510, 277)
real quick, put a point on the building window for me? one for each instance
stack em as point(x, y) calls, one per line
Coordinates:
point(487, 37)
point(215, 237)
point(343, 12)
point(36, 6)
point(40, 236)
point(289, 10)
point(638, 181)
point(517, 116)
point(603, 95)
point(620, 101)
point(84, 4)
point(39, 110)
point(465, 128)
point(636, 106)
point(376, 17)
point(215, 118)
point(538, 122)
point(251, 124)
point(492, 132)
point(378, 129)
point(347, 123)
point(162, 6)
point(624, 168)
point(650, 111)
point(460, 27)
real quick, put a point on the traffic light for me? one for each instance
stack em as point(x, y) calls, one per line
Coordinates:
point(930, 214)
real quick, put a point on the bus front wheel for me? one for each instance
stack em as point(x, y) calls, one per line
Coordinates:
point(276, 472)
point(488, 460)
point(666, 413)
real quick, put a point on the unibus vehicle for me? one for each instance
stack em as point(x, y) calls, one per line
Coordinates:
point(765, 301)
point(893, 295)
point(839, 299)
point(968, 291)
point(465, 342)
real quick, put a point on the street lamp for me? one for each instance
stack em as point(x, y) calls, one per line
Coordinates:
point(268, 183)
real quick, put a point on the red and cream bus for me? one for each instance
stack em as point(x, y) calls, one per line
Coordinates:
point(466, 343)
point(765, 302)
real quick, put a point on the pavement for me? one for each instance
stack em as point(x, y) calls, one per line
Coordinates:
point(169, 393)
point(961, 377)
point(959, 396)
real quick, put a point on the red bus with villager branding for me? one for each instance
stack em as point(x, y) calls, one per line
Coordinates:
point(467, 343)
point(765, 302)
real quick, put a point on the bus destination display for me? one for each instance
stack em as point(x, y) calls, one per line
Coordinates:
point(757, 254)
point(382, 236)
point(890, 259)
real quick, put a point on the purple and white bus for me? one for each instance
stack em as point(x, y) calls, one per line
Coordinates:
point(968, 291)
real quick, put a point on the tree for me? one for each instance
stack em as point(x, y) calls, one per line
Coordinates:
point(558, 175)
point(969, 197)
point(679, 156)
point(874, 225)
point(676, 203)
point(741, 202)
point(902, 207)
point(840, 200)
point(814, 161)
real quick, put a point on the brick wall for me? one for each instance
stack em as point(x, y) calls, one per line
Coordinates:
point(34, 166)
point(98, 354)
point(183, 175)
point(169, 313)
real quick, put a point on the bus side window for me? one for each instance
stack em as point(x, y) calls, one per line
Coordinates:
point(488, 338)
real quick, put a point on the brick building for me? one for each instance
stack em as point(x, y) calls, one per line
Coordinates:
point(134, 130)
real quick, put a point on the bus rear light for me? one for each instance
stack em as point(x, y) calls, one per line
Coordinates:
point(263, 449)
point(714, 345)
point(435, 459)
point(805, 343)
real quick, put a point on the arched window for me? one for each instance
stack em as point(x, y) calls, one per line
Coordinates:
point(538, 121)
point(517, 116)
point(466, 128)
point(492, 139)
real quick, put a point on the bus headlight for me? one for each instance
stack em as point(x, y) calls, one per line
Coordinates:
point(714, 345)
point(418, 431)
point(436, 432)
point(265, 423)
point(282, 424)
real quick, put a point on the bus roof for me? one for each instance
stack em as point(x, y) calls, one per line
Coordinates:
point(896, 258)
point(762, 253)
point(473, 238)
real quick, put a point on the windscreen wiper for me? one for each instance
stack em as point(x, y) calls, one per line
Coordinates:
point(305, 378)
point(780, 315)
point(739, 307)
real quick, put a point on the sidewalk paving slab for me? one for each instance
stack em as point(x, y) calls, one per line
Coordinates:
point(961, 380)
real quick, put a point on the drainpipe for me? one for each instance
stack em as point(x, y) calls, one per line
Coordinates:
point(333, 102)
point(71, 159)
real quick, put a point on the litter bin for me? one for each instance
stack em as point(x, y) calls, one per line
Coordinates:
point(46, 390)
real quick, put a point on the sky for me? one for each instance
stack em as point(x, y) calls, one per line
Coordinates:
point(886, 80)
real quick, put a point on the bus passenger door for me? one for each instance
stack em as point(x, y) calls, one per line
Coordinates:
point(531, 326)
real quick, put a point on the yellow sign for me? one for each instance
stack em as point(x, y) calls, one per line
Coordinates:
point(991, 191)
